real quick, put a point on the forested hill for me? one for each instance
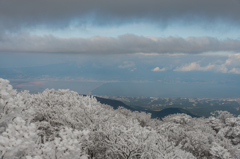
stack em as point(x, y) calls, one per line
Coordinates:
point(61, 124)
point(169, 111)
point(114, 103)
point(155, 114)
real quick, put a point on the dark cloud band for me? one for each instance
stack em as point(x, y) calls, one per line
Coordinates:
point(58, 13)
point(127, 43)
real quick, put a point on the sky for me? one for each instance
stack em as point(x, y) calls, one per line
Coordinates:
point(128, 48)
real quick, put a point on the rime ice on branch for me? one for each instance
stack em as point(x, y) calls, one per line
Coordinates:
point(63, 124)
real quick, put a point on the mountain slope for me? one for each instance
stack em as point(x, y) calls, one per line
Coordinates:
point(155, 114)
point(169, 111)
point(114, 103)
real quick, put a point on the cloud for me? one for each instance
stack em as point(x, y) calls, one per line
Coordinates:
point(127, 43)
point(233, 60)
point(157, 69)
point(235, 71)
point(194, 66)
point(127, 64)
point(231, 65)
point(60, 13)
point(133, 69)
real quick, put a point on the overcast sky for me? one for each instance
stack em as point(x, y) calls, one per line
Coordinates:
point(127, 26)
point(135, 38)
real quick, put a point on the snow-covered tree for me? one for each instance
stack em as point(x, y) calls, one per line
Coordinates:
point(61, 124)
point(17, 139)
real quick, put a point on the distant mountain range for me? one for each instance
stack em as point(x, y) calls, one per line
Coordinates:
point(155, 114)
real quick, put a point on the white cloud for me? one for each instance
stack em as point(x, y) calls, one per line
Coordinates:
point(127, 64)
point(133, 69)
point(194, 66)
point(235, 71)
point(231, 65)
point(157, 69)
point(233, 60)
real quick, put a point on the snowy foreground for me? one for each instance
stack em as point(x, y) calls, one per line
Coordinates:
point(64, 125)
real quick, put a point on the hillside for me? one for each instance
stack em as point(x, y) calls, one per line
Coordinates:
point(155, 114)
point(114, 103)
point(61, 124)
point(169, 111)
